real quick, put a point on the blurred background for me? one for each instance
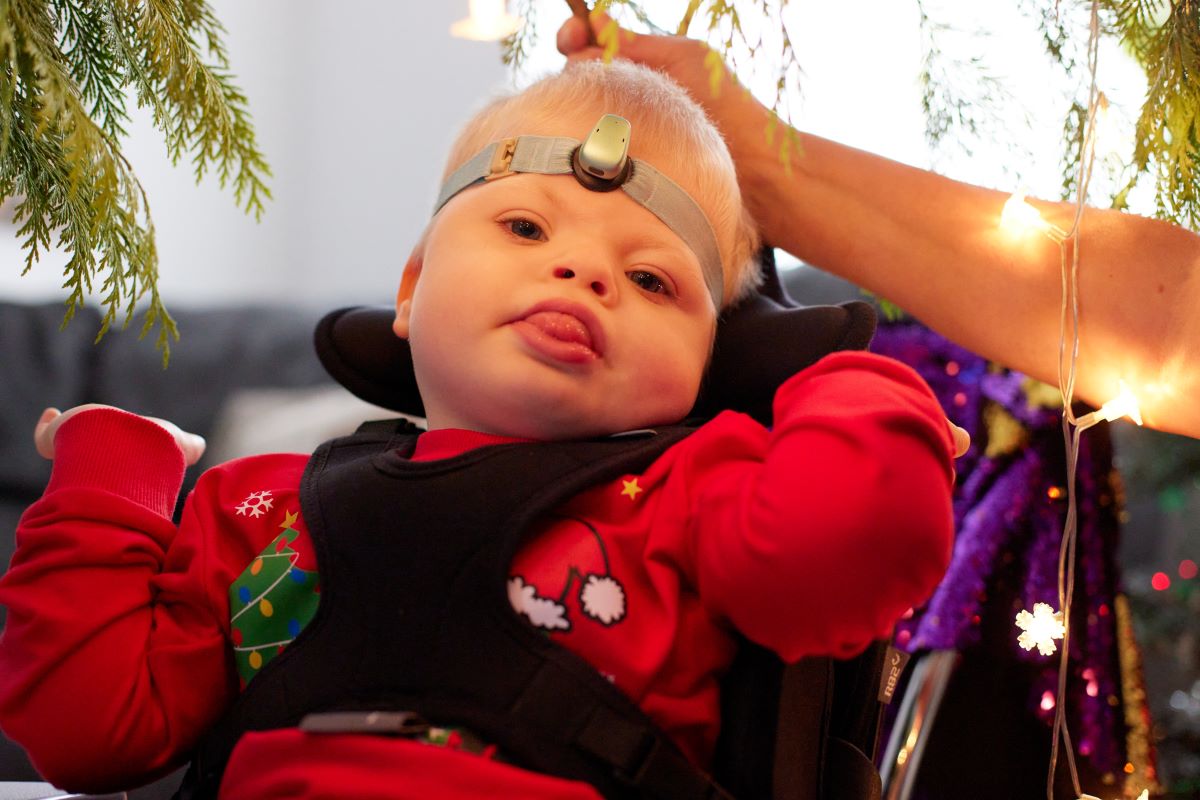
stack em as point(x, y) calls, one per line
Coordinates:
point(355, 105)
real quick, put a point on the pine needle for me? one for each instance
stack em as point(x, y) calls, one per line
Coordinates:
point(67, 64)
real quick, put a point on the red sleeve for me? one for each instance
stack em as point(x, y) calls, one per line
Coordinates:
point(815, 537)
point(115, 657)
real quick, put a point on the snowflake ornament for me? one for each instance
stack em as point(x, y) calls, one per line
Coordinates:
point(1040, 628)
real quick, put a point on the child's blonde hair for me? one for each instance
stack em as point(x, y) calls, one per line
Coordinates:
point(662, 114)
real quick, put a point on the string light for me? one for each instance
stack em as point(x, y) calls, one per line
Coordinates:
point(1045, 624)
point(1124, 404)
point(1020, 218)
point(1040, 628)
point(489, 21)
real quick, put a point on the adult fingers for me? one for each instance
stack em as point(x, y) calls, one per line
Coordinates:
point(573, 41)
point(572, 36)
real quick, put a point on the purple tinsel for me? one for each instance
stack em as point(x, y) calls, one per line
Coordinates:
point(1010, 512)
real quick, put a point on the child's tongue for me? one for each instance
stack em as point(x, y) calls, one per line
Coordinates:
point(563, 327)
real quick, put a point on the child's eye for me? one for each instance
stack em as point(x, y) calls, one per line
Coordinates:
point(648, 281)
point(525, 229)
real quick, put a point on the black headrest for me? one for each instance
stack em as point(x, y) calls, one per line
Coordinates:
point(760, 344)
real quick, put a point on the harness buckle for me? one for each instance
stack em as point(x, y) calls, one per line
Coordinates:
point(501, 166)
point(385, 723)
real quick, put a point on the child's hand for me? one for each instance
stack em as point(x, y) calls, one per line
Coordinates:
point(47, 426)
point(962, 439)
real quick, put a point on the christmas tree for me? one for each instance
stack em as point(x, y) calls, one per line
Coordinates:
point(272, 581)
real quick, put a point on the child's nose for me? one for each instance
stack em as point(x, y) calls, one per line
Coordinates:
point(595, 281)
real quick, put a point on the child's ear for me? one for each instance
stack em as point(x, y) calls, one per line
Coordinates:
point(408, 283)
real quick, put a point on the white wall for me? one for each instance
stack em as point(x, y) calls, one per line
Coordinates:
point(354, 103)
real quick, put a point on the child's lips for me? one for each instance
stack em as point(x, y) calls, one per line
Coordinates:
point(562, 331)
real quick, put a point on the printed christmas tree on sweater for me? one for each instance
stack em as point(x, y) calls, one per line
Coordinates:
point(270, 603)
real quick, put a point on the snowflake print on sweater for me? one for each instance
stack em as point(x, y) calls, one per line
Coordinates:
point(256, 504)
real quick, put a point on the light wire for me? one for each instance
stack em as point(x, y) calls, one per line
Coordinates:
point(1072, 427)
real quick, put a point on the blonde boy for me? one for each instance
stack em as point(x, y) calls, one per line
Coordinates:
point(542, 316)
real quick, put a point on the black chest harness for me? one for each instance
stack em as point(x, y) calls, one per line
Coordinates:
point(415, 615)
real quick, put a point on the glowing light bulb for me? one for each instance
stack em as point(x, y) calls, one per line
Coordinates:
point(1040, 628)
point(1125, 404)
point(489, 21)
point(1019, 218)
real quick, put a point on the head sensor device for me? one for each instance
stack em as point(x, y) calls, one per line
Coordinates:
point(601, 163)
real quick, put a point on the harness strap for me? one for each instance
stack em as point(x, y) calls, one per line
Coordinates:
point(369, 510)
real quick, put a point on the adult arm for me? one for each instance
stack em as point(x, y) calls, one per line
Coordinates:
point(933, 246)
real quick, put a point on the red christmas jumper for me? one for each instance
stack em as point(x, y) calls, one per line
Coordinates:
point(809, 538)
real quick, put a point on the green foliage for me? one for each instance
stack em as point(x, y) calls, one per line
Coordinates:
point(1166, 139)
point(890, 311)
point(964, 103)
point(1074, 127)
point(67, 64)
point(515, 47)
point(1164, 37)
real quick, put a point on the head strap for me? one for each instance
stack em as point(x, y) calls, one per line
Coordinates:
point(554, 155)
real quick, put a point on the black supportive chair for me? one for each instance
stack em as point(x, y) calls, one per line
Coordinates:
point(806, 731)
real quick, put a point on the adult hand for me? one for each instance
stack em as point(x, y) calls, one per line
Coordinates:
point(680, 57)
point(931, 245)
point(687, 61)
point(51, 419)
point(742, 120)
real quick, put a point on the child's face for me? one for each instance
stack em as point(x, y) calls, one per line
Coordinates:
point(545, 310)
